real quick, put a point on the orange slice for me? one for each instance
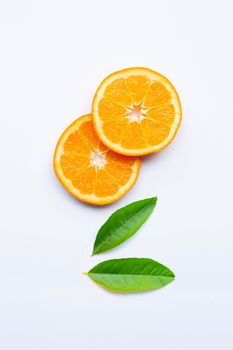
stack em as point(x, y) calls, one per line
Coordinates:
point(136, 111)
point(88, 169)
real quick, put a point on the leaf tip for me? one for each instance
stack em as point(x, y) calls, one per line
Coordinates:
point(94, 252)
point(152, 200)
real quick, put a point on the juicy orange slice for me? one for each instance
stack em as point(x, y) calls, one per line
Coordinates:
point(136, 111)
point(88, 169)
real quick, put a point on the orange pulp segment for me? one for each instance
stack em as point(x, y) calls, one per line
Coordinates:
point(88, 169)
point(136, 111)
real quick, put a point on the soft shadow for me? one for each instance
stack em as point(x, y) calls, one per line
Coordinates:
point(169, 151)
point(154, 157)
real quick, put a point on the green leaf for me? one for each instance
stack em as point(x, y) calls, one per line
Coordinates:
point(131, 275)
point(122, 224)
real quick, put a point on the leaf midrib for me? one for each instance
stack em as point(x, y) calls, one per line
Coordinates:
point(124, 274)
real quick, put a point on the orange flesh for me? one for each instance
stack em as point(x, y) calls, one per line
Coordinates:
point(151, 97)
point(136, 112)
point(88, 169)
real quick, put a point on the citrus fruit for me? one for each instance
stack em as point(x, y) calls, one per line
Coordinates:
point(88, 169)
point(136, 111)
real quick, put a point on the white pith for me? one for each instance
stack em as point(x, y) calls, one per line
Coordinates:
point(136, 113)
point(97, 159)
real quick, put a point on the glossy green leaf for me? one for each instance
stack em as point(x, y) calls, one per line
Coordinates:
point(122, 224)
point(131, 275)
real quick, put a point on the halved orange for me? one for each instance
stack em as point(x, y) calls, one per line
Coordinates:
point(88, 169)
point(136, 111)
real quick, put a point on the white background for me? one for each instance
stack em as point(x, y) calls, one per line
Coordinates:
point(53, 56)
